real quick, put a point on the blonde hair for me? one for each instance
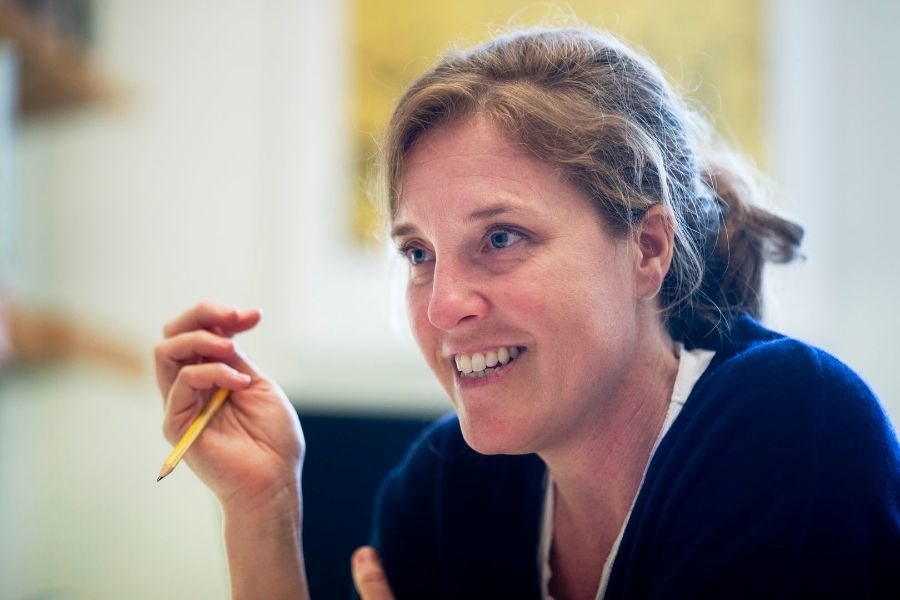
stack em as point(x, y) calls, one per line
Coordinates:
point(603, 114)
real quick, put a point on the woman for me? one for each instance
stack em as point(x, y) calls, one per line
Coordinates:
point(584, 270)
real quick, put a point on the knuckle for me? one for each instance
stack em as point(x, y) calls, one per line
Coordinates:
point(188, 375)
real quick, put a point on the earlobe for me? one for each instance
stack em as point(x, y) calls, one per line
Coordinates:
point(654, 239)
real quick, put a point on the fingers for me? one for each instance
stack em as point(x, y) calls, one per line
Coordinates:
point(200, 334)
point(209, 375)
point(214, 316)
point(368, 575)
point(184, 348)
point(183, 402)
point(193, 345)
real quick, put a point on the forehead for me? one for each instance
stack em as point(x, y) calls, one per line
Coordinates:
point(474, 136)
point(467, 162)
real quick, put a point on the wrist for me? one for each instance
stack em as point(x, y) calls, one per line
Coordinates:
point(264, 543)
point(277, 505)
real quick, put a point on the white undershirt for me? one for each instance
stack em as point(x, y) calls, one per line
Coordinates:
point(691, 365)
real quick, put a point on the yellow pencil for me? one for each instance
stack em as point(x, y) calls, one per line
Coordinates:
point(193, 432)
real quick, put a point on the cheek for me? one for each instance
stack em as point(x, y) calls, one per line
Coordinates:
point(577, 304)
point(417, 314)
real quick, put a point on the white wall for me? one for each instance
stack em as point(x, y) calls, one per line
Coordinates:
point(834, 90)
point(81, 514)
point(225, 175)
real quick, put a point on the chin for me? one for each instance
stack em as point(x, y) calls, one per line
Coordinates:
point(487, 436)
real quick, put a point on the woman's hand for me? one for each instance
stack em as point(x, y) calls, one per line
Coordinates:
point(252, 450)
point(368, 576)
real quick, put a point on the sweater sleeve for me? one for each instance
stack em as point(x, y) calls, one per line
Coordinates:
point(783, 481)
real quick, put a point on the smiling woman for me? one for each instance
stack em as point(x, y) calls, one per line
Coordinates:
point(486, 276)
point(584, 279)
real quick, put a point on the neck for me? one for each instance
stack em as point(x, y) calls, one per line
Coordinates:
point(597, 471)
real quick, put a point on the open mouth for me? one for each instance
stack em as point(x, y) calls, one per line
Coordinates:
point(481, 364)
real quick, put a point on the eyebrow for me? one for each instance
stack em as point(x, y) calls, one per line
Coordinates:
point(402, 229)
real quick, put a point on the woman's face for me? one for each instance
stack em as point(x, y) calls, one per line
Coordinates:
point(521, 302)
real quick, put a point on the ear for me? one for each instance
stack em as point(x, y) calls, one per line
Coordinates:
point(654, 240)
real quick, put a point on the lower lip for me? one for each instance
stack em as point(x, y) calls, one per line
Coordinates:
point(495, 377)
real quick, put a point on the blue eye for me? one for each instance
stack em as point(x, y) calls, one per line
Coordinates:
point(503, 238)
point(416, 255)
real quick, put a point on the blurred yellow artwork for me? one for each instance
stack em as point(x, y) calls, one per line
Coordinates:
point(711, 49)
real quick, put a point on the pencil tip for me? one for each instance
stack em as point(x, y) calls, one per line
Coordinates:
point(166, 469)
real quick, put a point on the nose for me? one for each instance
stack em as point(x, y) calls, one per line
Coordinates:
point(456, 296)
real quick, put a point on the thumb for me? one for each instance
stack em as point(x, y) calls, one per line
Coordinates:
point(368, 575)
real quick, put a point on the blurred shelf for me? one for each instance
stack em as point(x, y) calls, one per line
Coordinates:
point(54, 71)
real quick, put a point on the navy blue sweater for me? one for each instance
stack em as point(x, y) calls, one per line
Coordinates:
point(779, 479)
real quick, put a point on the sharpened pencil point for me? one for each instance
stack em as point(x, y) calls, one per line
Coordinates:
point(166, 469)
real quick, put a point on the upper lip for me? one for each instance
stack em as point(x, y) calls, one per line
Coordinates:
point(469, 350)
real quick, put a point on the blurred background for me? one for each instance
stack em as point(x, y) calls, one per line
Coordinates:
point(154, 154)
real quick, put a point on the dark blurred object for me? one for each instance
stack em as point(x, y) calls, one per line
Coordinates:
point(49, 38)
point(69, 18)
point(347, 457)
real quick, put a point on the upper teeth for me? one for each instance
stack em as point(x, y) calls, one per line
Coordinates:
point(479, 361)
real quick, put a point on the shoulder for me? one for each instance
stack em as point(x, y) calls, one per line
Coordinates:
point(771, 390)
point(752, 350)
point(782, 465)
point(767, 373)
